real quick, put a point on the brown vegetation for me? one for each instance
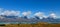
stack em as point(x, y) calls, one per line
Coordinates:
point(31, 25)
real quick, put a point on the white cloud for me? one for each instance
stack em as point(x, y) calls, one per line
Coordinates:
point(26, 13)
point(39, 14)
point(45, 16)
point(17, 13)
point(53, 15)
point(29, 12)
point(1, 10)
point(14, 13)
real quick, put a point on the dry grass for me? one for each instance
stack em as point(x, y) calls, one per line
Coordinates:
point(32, 25)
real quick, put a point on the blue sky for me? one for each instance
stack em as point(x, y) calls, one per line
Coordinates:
point(46, 6)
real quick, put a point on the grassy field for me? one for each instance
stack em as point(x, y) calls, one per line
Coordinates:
point(30, 25)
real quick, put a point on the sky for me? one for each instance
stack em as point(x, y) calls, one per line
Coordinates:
point(46, 6)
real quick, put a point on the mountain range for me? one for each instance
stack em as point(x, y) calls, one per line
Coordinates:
point(4, 18)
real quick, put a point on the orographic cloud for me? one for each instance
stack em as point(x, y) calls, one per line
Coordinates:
point(39, 14)
point(26, 13)
point(14, 13)
point(53, 15)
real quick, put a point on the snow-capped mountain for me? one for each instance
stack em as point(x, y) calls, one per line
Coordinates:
point(13, 16)
point(25, 19)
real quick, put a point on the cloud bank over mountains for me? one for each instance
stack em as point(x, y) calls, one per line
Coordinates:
point(14, 13)
point(26, 13)
point(17, 13)
point(13, 16)
point(53, 15)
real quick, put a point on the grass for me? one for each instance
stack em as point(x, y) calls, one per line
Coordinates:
point(42, 24)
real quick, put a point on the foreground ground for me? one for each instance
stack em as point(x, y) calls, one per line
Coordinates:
point(31, 25)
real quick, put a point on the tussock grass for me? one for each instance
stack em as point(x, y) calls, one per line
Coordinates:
point(42, 24)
